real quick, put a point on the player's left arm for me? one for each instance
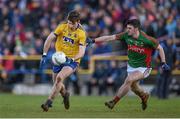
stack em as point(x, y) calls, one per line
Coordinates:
point(82, 46)
point(155, 44)
point(161, 53)
point(80, 53)
point(164, 66)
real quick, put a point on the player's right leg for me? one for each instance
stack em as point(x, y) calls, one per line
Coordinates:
point(55, 90)
point(144, 99)
point(135, 87)
point(45, 106)
point(63, 74)
point(123, 90)
point(63, 91)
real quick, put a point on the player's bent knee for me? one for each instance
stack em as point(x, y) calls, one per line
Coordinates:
point(61, 84)
point(58, 82)
point(133, 88)
point(59, 77)
point(133, 85)
point(129, 80)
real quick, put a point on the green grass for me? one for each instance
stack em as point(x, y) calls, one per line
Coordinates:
point(86, 107)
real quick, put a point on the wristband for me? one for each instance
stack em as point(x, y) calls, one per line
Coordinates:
point(73, 59)
point(44, 53)
point(163, 63)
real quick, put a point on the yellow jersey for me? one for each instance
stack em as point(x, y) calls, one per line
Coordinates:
point(68, 41)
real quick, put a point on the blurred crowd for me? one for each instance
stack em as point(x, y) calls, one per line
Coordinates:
point(25, 25)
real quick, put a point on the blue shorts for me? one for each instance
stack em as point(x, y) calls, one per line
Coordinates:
point(57, 69)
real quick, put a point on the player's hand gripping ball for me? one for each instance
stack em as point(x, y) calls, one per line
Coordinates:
point(58, 58)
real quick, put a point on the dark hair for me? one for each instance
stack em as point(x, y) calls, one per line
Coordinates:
point(134, 22)
point(73, 16)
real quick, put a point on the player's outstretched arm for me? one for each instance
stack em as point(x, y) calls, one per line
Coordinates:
point(164, 66)
point(90, 41)
point(105, 38)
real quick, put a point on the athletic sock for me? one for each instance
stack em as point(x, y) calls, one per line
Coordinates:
point(116, 99)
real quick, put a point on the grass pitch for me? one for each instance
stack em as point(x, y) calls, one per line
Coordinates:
point(86, 107)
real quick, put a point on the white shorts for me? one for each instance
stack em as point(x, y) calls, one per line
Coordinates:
point(146, 71)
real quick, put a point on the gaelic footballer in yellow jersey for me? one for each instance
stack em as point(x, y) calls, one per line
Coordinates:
point(68, 40)
point(71, 39)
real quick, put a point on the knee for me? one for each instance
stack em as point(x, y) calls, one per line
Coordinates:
point(133, 85)
point(59, 77)
point(129, 80)
point(59, 80)
point(133, 88)
point(58, 83)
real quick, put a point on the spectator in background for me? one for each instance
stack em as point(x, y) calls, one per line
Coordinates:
point(6, 68)
point(164, 77)
point(74, 79)
point(171, 22)
point(176, 34)
point(176, 39)
point(38, 45)
point(102, 48)
point(31, 67)
point(112, 75)
point(8, 64)
point(148, 28)
point(175, 87)
point(161, 32)
point(18, 75)
point(93, 28)
point(5, 83)
point(98, 79)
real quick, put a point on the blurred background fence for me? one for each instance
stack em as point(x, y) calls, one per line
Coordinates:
point(105, 73)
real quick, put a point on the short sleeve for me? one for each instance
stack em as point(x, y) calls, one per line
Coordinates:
point(82, 38)
point(59, 29)
point(154, 43)
point(120, 36)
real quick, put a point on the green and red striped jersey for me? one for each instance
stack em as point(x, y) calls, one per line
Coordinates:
point(140, 49)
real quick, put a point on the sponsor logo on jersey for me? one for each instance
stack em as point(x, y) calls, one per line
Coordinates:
point(68, 40)
point(136, 49)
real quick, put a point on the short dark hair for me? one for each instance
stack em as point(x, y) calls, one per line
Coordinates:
point(134, 22)
point(73, 16)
